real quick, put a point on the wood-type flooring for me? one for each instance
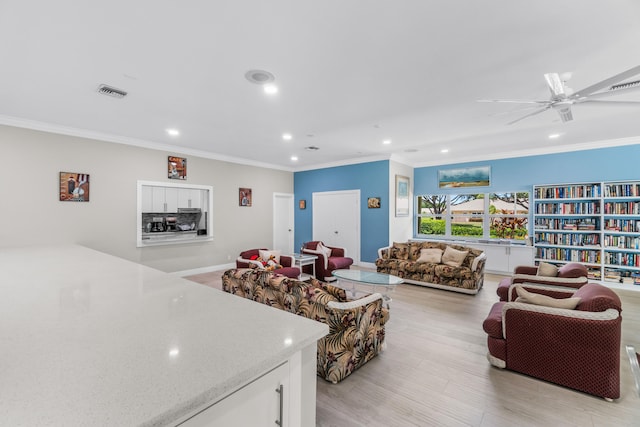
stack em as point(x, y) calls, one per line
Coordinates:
point(434, 372)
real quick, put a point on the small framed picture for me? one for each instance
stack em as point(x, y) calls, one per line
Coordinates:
point(177, 167)
point(302, 204)
point(373, 202)
point(244, 195)
point(74, 187)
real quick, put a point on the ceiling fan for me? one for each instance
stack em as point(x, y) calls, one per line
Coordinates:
point(562, 99)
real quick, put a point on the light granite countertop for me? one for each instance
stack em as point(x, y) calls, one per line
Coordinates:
point(92, 339)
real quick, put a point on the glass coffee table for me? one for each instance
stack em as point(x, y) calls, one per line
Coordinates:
point(377, 282)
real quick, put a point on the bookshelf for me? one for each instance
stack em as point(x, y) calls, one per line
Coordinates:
point(594, 223)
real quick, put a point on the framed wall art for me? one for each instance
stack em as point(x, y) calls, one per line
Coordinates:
point(74, 187)
point(373, 202)
point(244, 196)
point(479, 176)
point(402, 195)
point(177, 167)
point(302, 204)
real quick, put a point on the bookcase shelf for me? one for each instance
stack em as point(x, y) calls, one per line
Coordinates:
point(594, 223)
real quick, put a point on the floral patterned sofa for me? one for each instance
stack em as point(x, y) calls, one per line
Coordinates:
point(356, 328)
point(434, 264)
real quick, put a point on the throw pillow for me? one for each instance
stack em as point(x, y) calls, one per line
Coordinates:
point(547, 301)
point(546, 269)
point(433, 256)
point(453, 257)
point(266, 255)
point(325, 250)
point(400, 251)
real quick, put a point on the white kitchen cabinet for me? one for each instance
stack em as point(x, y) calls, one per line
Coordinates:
point(504, 258)
point(189, 198)
point(263, 402)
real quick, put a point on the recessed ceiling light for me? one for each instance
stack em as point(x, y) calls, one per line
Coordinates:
point(554, 135)
point(444, 150)
point(173, 132)
point(270, 89)
point(386, 142)
point(287, 136)
point(294, 158)
point(259, 77)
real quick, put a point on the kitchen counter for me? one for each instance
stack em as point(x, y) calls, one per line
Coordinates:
point(91, 339)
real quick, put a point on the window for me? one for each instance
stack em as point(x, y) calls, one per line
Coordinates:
point(431, 211)
point(479, 215)
point(467, 215)
point(509, 215)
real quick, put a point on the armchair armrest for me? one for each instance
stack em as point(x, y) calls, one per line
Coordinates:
point(526, 269)
point(319, 254)
point(251, 263)
point(383, 251)
point(286, 260)
point(355, 303)
point(477, 260)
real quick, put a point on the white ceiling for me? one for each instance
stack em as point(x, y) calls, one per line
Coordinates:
point(350, 73)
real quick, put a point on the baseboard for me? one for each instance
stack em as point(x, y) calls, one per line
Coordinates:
point(201, 270)
point(367, 265)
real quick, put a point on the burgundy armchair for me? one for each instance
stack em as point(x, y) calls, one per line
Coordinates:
point(572, 275)
point(576, 348)
point(247, 259)
point(328, 260)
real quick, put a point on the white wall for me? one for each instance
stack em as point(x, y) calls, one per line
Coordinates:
point(33, 215)
point(400, 228)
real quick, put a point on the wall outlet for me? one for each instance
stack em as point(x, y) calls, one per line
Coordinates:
point(228, 257)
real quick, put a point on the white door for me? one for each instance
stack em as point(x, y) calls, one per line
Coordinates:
point(283, 222)
point(336, 220)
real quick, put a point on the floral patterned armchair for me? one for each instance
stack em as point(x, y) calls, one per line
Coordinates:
point(356, 328)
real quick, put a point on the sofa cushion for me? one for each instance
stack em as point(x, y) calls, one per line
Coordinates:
point(399, 251)
point(433, 256)
point(539, 299)
point(453, 257)
point(546, 269)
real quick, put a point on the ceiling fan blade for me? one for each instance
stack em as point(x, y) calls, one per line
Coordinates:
point(608, 102)
point(541, 110)
point(514, 101)
point(607, 82)
point(555, 85)
point(515, 110)
point(610, 93)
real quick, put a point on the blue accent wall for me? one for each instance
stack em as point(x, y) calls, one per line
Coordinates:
point(372, 179)
point(514, 174)
point(522, 173)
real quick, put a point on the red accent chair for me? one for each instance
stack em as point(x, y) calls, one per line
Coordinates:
point(325, 264)
point(578, 348)
point(571, 275)
point(286, 261)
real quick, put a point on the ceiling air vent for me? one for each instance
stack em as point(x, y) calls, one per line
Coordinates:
point(111, 91)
